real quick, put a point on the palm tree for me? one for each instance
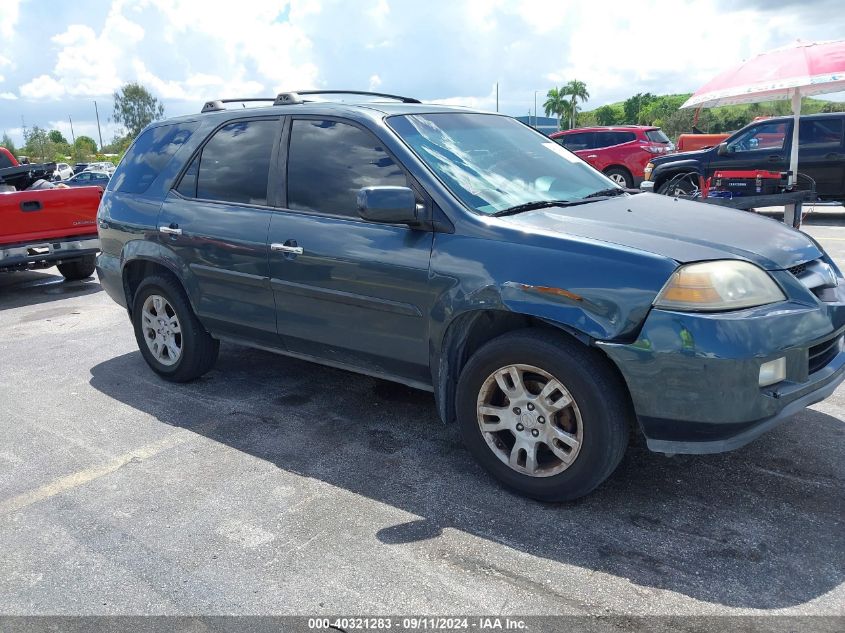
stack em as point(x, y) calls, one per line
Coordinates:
point(556, 104)
point(575, 90)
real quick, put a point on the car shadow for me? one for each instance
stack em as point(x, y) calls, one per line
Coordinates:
point(31, 287)
point(760, 527)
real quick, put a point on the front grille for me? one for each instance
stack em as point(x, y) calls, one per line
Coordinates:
point(823, 353)
point(797, 270)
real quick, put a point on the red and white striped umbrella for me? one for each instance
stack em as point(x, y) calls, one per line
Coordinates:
point(792, 72)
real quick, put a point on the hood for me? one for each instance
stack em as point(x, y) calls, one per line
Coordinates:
point(679, 229)
point(693, 154)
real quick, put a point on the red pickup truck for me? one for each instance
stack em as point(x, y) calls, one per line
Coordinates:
point(44, 227)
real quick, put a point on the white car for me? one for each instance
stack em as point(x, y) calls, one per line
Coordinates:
point(63, 171)
point(104, 166)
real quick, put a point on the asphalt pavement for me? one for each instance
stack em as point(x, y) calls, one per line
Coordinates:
point(275, 486)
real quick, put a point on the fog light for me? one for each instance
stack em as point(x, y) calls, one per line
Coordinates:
point(772, 372)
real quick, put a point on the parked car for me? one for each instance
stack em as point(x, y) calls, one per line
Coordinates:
point(88, 179)
point(48, 226)
point(18, 175)
point(103, 166)
point(466, 254)
point(620, 152)
point(63, 171)
point(79, 167)
point(764, 145)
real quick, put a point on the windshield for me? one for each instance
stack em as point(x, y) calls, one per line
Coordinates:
point(492, 163)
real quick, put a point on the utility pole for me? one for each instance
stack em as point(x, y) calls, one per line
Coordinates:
point(98, 125)
point(497, 96)
point(535, 109)
point(72, 137)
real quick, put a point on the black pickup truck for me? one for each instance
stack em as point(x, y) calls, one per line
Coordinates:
point(764, 145)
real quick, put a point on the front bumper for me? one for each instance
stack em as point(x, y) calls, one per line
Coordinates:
point(694, 378)
point(52, 252)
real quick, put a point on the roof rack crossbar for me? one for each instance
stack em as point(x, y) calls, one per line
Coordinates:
point(358, 92)
point(289, 98)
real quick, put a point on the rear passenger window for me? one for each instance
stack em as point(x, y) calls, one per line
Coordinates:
point(234, 164)
point(148, 155)
point(328, 162)
point(820, 133)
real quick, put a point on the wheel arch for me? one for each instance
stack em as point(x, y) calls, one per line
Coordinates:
point(469, 331)
point(666, 171)
point(141, 259)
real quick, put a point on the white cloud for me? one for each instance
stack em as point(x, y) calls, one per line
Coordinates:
point(375, 82)
point(9, 14)
point(42, 87)
point(8, 96)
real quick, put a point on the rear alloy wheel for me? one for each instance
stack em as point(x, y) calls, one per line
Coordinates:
point(171, 339)
point(620, 176)
point(544, 414)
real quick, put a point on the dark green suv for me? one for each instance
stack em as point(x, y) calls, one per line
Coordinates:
point(460, 252)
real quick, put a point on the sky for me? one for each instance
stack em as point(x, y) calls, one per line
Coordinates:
point(58, 58)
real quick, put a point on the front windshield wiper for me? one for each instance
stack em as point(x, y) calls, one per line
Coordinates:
point(605, 193)
point(531, 206)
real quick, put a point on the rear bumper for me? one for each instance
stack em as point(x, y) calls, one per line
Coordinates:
point(53, 252)
point(694, 378)
point(111, 277)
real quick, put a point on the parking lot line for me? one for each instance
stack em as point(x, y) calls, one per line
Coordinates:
point(82, 477)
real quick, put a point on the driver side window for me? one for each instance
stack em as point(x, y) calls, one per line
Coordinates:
point(766, 136)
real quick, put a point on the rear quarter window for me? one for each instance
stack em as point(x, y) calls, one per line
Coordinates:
point(656, 136)
point(149, 154)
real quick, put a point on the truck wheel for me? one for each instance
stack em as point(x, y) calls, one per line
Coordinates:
point(620, 176)
point(171, 339)
point(81, 268)
point(544, 415)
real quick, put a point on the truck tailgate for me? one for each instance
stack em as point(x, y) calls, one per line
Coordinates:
point(48, 214)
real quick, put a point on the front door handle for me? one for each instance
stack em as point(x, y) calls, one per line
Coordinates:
point(170, 230)
point(774, 158)
point(284, 248)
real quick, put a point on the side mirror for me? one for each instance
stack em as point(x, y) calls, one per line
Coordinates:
point(388, 205)
point(723, 149)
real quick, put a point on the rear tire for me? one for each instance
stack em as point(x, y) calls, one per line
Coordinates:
point(81, 268)
point(620, 176)
point(172, 340)
point(563, 434)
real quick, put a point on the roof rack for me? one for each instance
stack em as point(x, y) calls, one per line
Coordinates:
point(290, 98)
point(358, 92)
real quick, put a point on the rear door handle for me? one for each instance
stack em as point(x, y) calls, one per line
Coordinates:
point(833, 156)
point(31, 205)
point(170, 230)
point(284, 248)
point(774, 158)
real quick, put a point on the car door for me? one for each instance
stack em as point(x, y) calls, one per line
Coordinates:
point(215, 221)
point(821, 155)
point(595, 152)
point(348, 291)
point(764, 146)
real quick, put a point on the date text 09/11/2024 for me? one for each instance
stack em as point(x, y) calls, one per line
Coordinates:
point(416, 624)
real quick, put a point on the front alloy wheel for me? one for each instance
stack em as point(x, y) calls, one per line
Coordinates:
point(529, 420)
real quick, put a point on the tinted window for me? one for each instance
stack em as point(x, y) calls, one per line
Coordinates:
point(188, 186)
point(657, 136)
point(820, 133)
point(766, 136)
point(235, 163)
point(148, 156)
point(4, 161)
point(329, 162)
point(575, 142)
point(606, 139)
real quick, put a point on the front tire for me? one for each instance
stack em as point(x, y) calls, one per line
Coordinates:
point(620, 176)
point(81, 268)
point(543, 414)
point(172, 340)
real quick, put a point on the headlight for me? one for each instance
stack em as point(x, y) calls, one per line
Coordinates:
point(718, 285)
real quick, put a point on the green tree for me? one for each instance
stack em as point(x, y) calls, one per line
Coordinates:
point(634, 105)
point(575, 90)
point(135, 108)
point(83, 148)
point(37, 145)
point(557, 104)
point(57, 137)
point(9, 144)
point(606, 115)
